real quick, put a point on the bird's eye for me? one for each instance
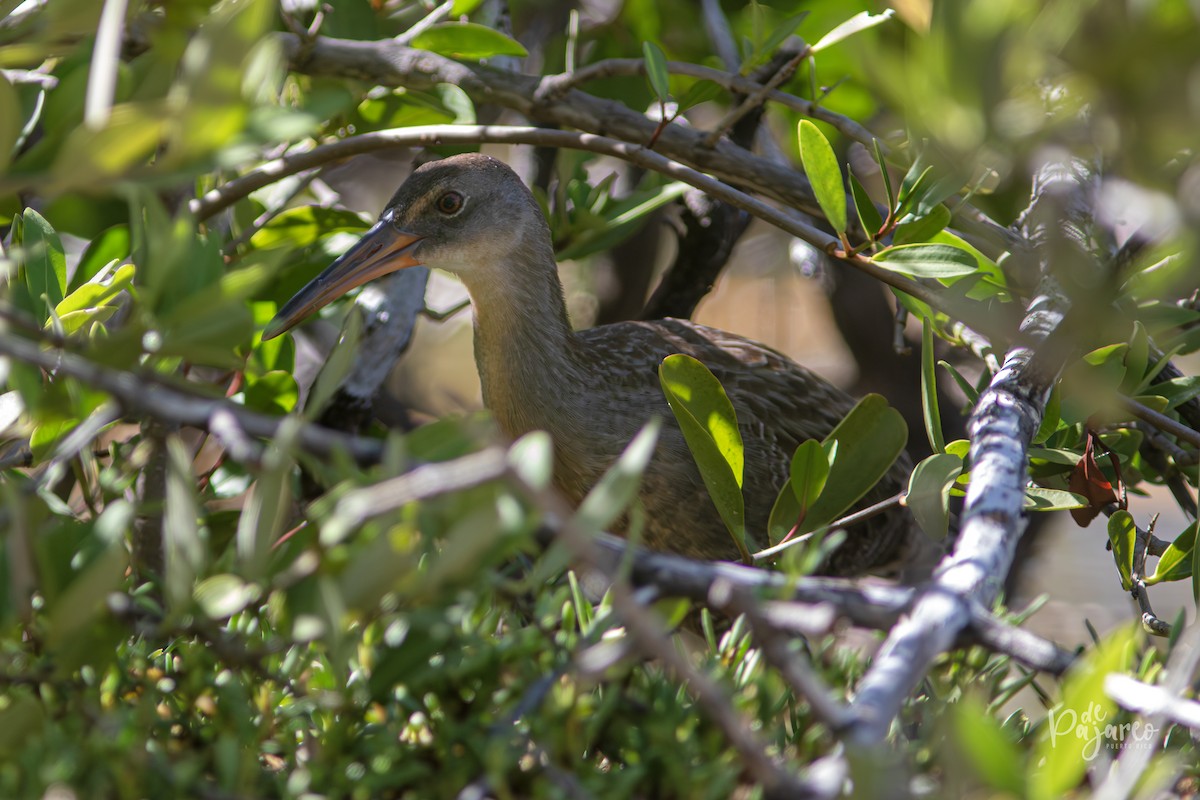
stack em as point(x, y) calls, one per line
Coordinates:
point(450, 203)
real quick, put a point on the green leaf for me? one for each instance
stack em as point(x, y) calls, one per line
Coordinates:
point(111, 245)
point(929, 399)
point(11, 121)
point(97, 293)
point(914, 181)
point(971, 393)
point(868, 215)
point(1069, 741)
point(273, 392)
point(869, 439)
point(709, 425)
point(1176, 391)
point(821, 166)
point(928, 495)
point(785, 514)
point(268, 504)
point(927, 260)
point(462, 8)
point(809, 471)
point(1051, 417)
point(884, 174)
point(656, 70)
point(864, 20)
point(185, 554)
point(1195, 574)
point(337, 366)
point(1137, 358)
point(305, 225)
point(921, 229)
point(44, 260)
point(994, 756)
point(699, 92)
point(467, 40)
point(1039, 498)
point(1122, 533)
point(1175, 563)
point(618, 487)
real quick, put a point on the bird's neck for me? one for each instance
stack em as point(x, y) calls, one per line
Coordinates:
point(524, 345)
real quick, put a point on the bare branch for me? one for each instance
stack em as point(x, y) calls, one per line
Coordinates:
point(1004, 422)
point(146, 395)
point(221, 198)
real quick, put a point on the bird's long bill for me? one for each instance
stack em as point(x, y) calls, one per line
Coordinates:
point(381, 250)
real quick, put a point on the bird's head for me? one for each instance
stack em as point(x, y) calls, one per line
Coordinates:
point(469, 214)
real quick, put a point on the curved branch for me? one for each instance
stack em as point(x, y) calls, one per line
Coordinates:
point(428, 135)
point(555, 86)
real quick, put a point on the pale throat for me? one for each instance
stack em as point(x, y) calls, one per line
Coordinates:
point(524, 347)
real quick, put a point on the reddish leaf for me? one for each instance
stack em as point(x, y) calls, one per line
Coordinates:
point(1089, 481)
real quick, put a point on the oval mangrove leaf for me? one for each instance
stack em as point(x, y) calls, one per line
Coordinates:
point(927, 260)
point(928, 495)
point(821, 166)
point(1175, 564)
point(467, 40)
point(709, 426)
point(656, 70)
point(1122, 533)
point(869, 440)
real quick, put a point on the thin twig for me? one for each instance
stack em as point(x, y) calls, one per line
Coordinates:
point(788, 663)
point(650, 636)
point(425, 23)
point(554, 87)
point(1161, 421)
point(755, 98)
point(850, 519)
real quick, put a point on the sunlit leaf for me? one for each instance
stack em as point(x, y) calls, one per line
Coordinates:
point(709, 425)
point(337, 366)
point(1121, 534)
point(532, 456)
point(222, 596)
point(821, 166)
point(862, 21)
point(1069, 741)
point(920, 229)
point(184, 550)
point(927, 261)
point(467, 40)
point(1176, 561)
point(994, 756)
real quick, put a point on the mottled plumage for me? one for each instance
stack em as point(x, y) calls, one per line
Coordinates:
point(593, 390)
